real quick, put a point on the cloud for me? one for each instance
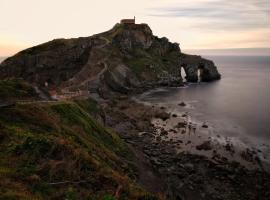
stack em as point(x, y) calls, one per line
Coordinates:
point(220, 14)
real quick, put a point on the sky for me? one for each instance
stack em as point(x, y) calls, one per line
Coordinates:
point(195, 24)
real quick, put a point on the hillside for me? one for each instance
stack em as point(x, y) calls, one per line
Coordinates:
point(16, 89)
point(125, 59)
point(58, 150)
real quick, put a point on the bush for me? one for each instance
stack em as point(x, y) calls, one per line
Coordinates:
point(108, 197)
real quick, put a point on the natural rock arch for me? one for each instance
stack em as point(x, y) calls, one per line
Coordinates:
point(199, 70)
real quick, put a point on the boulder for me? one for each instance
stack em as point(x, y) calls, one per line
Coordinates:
point(162, 115)
point(204, 125)
point(174, 115)
point(204, 146)
point(181, 124)
point(182, 104)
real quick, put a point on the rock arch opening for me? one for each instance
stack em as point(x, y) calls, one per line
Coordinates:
point(200, 71)
point(183, 74)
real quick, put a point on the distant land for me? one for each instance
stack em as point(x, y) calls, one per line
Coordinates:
point(217, 52)
point(230, 52)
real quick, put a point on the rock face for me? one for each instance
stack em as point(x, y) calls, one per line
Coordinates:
point(123, 59)
point(192, 64)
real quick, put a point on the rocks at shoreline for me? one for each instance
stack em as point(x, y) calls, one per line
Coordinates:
point(182, 104)
point(181, 124)
point(162, 115)
point(204, 125)
point(186, 174)
point(206, 146)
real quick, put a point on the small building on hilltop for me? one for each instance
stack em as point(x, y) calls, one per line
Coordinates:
point(128, 21)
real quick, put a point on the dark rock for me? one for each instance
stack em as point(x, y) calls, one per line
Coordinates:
point(205, 146)
point(188, 142)
point(162, 115)
point(182, 104)
point(181, 124)
point(189, 167)
point(173, 131)
point(184, 115)
point(205, 125)
point(158, 138)
point(163, 132)
point(247, 155)
point(229, 147)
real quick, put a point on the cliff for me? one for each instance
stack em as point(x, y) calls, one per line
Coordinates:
point(123, 59)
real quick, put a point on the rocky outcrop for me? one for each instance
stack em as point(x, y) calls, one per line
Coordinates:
point(192, 64)
point(121, 79)
point(130, 37)
point(124, 59)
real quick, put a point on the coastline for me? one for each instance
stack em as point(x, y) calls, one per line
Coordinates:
point(150, 131)
point(200, 137)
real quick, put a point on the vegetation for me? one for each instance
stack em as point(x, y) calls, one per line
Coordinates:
point(144, 63)
point(58, 151)
point(16, 89)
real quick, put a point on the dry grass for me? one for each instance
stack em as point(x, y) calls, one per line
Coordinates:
point(59, 151)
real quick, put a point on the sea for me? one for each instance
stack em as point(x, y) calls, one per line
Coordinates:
point(236, 107)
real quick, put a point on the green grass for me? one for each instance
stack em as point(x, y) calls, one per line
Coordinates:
point(16, 89)
point(42, 144)
point(146, 64)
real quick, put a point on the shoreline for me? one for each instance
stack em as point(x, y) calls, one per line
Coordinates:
point(249, 152)
point(181, 173)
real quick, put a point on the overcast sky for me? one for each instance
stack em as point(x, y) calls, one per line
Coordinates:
point(195, 24)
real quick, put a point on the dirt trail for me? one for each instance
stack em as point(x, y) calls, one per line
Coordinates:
point(86, 74)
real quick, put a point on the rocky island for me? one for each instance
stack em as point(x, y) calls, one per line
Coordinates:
point(72, 130)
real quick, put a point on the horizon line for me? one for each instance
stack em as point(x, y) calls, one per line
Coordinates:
point(195, 49)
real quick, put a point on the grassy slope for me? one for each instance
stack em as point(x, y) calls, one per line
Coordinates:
point(16, 89)
point(146, 63)
point(42, 144)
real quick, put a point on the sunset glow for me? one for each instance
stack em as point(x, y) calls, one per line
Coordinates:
point(195, 24)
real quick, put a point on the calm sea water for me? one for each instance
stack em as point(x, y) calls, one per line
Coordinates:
point(236, 106)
